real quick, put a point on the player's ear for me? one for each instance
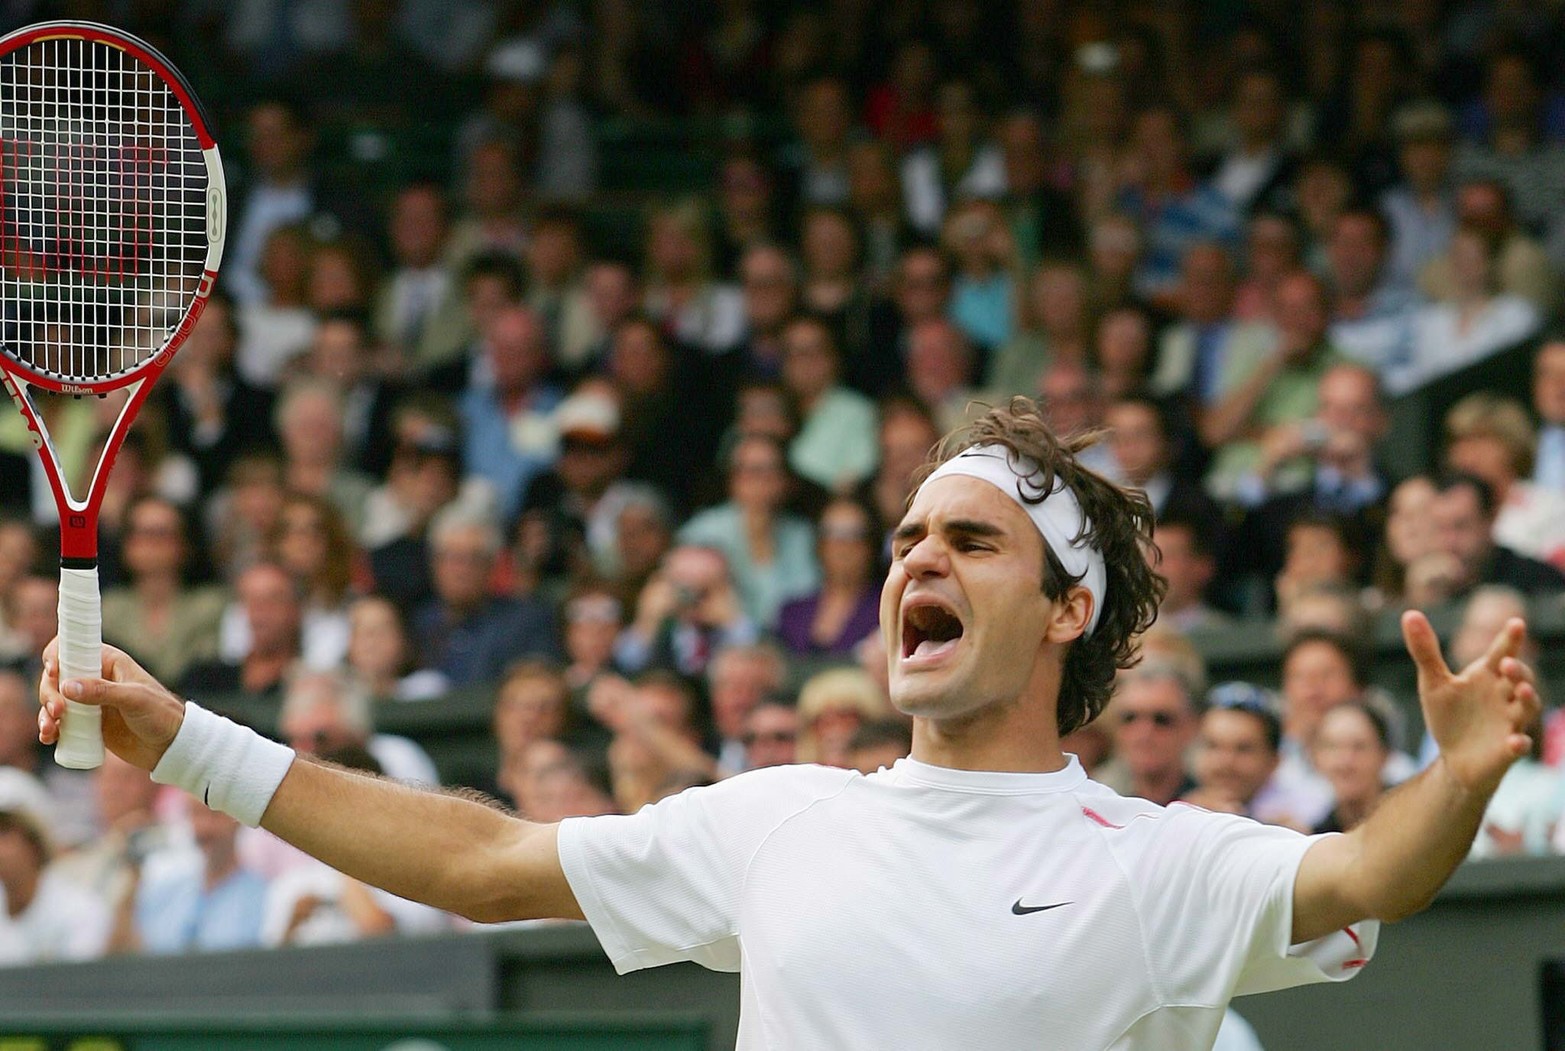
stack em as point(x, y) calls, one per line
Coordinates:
point(1070, 616)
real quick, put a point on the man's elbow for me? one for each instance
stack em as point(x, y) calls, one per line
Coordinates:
point(516, 879)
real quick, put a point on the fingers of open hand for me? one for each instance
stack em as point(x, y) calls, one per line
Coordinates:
point(1424, 648)
point(1506, 644)
point(1517, 671)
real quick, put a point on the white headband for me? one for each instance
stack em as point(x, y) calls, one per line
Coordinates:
point(1058, 517)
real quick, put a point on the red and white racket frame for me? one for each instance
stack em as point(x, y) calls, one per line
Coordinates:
point(81, 634)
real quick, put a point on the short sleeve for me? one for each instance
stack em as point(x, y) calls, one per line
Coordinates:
point(663, 885)
point(1220, 919)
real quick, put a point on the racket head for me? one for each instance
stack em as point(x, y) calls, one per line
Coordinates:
point(113, 208)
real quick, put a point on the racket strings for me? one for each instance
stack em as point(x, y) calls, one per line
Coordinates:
point(103, 233)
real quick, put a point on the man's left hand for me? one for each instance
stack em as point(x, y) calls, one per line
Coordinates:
point(1480, 717)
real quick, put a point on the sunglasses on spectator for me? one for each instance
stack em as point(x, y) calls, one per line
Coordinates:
point(1161, 720)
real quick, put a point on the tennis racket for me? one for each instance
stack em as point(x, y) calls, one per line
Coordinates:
point(111, 228)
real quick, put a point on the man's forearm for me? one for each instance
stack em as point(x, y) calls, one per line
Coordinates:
point(1392, 865)
point(437, 848)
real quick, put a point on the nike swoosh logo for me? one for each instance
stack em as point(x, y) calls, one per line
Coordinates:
point(206, 800)
point(1026, 910)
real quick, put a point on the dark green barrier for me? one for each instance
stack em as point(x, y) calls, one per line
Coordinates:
point(608, 1034)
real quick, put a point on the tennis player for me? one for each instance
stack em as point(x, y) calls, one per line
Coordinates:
point(981, 893)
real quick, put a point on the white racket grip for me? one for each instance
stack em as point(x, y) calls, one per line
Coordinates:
point(81, 657)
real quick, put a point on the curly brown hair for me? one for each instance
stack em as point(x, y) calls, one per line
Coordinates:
point(1120, 528)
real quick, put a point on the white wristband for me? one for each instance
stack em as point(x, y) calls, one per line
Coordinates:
point(228, 767)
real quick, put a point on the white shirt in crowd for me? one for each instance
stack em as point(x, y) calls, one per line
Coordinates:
point(63, 922)
point(929, 907)
point(1443, 343)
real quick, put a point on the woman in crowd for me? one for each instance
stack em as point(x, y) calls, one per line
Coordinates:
point(1055, 325)
point(1350, 750)
point(771, 553)
point(846, 608)
point(166, 623)
point(832, 706)
point(380, 654)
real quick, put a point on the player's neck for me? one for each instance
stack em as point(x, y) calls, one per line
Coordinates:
point(1016, 737)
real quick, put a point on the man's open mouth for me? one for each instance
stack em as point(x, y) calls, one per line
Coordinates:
point(929, 631)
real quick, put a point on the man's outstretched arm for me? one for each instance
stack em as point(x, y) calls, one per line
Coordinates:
point(439, 848)
point(1392, 865)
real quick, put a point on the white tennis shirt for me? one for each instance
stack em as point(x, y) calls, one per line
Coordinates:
point(924, 907)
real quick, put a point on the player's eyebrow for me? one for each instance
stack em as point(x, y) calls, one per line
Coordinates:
point(960, 526)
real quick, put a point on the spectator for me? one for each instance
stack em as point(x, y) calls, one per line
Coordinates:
point(875, 200)
point(555, 255)
point(1373, 320)
point(1198, 355)
point(594, 617)
point(1322, 190)
point(833, 704)
point(1464, 514)
point(770, 281)
point(341, 276)
point(682, 293)
point(282, 191)
point(984, 296)
point(687, 611)
point(464, 632)
point(1336, 608)
point(492, 282)
point(1072, 401)
point(900, 110)
point(746, 209)
point(532, 703)
point(274, 612)
point(380, 654)
point(1491, 437)
point(1548, 402)
point(656, 750)
point(921, 292)
point(213, 412)
point(1042, 219)
point(425, 475)
point(310, 422)
point(816, 166)
point(1421, 208)
point(833, 287)
point(835, 618)
point(1236, 750)
point(1476, 322)
point(1257, 166)
point(550, 783)
point(342, 357)
point(961, 162)
point(1263, 392)
point(1323, 465)
point(165, 623)
point(771, 735)
point(418, 308)
point(770, 552)
point(835, 446)
point(1188, 563)
point(1115, 246)
point(907, 433)
point(1121, 351)
point(70, 791)
point(1156, 725)
point(242, 514)
point(492, 218)
point(210, 903)
point(278, 325)
point(1513, 150)
point(1175, 210)
point(509, 437)
point(581, 495)
point(941, 370)
point(1351, 747)
point(1143, 457)
point(739, 680)
point(323, 712)
point(1054, 325)
point(643, 534)
point(613, 296)
point(1409, 538)
point(665, 419)
point(313, 544)
point(1273, 249)
point(1320, 550)
point(1520, 266)
point(50, 919)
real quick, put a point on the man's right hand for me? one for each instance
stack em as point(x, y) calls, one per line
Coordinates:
point(140, 715)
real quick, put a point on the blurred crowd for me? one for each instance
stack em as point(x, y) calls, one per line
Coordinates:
point(622, 461)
